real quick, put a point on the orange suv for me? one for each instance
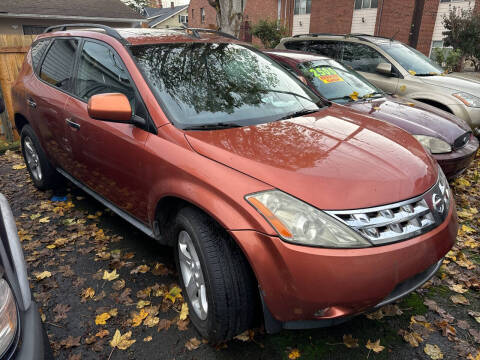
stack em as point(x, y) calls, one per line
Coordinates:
point(276, 201)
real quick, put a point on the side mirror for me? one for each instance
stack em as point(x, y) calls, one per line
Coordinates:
point(2, 105)
point(384, 69)
point(113, 107)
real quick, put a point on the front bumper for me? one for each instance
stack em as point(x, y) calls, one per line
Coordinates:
point(32, 341)
point(456, 162)
point(308, 287)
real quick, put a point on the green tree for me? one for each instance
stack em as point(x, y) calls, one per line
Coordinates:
point(463, 34)
point(137, 5)
point(270, 32)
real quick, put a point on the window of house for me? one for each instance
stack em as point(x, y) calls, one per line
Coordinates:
point(58, 64)
point(302, 7)
point(183, 19)
point(33, 29)
point(37, 51)
point(100, 71)
point(202, 15)
point(193, 13)
point(362, 57)
point(172, 4)
point(366, 4)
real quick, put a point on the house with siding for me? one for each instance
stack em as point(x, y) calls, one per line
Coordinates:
point(418, 23)
point(167, 17)
point(27, 17)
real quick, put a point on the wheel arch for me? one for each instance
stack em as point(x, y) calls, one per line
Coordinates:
point(20, 122)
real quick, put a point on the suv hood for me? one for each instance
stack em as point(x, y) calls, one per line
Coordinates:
point(334, 159)
point(453, 83)
point(413, 116)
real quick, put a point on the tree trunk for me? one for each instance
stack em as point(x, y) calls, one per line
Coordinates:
point(229, 15)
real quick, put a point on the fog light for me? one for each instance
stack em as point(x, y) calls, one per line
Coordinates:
point(8, 316)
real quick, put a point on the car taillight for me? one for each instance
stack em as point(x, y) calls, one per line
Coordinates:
point(8, 316)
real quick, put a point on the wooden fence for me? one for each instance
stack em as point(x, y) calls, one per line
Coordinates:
point(13, 49)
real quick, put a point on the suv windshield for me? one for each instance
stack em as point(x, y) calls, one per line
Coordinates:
point(207, 84)
point(412, 60)
point(335, 82)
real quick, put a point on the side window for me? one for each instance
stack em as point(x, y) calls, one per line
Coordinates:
point(296, 45)
point(326, 48)
point(361, 57)
point(100, 71)
point(58, 64)
point(37, 52)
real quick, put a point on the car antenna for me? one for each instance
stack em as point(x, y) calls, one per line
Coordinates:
point(393, 37)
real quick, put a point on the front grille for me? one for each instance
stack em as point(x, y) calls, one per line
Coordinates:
point(403, 220)
point(462, 140)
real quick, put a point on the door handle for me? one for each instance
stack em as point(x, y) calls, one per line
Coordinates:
point(72, 123)
point(31, 103)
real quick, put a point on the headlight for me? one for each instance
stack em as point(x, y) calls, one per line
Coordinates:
point(433, 144)
point(8, 316)
point(468, 99)
point(300, 223)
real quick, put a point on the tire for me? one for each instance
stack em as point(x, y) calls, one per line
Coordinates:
point(43, 174)
point(230, 287)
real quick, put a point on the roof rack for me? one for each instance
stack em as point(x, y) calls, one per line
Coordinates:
point(108, 30)
point(211, 31)
point(363, 36)
point(314, 34)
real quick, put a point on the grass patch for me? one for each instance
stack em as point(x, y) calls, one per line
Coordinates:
point(440, 290)
point(4, 146)
point(413, 304)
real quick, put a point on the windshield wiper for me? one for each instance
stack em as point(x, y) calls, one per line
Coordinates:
point(293, 94)
point(372, 94)
point(428, 74)
point(297, 114)
point(213, 126)
point(346, 97)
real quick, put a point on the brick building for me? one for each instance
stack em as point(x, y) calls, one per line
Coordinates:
point(415, 22)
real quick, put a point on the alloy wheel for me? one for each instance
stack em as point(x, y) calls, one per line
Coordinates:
point(192, 275)
point(33, 161)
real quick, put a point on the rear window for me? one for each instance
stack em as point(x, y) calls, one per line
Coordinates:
point(57, 66)
point(207, 83)
point(37, 51)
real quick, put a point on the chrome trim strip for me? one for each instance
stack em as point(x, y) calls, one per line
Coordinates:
point(139, 225)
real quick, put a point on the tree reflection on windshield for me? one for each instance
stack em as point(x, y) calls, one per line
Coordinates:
point(202, 83)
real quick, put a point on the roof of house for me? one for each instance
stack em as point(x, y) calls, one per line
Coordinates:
point(156, 15)
point(68, 9)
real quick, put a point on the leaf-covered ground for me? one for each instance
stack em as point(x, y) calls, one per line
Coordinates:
point(106, 291)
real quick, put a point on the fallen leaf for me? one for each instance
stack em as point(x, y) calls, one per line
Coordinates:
point(147, 339)
point(138, 318)
point(102, 319)
point(294, 354)
point(43, 275)
point(433, 351)
point(459, 299)
point(122, 342)
point(475, 315)
point(140, 269)
point(142, 303)
point(164, 324)
point(151, 321)
point(102, 333)
point(184, 311)
point(60, 312)
point(19, 167)
point(118, 285)
point(193, 344)
point(458, 288)
point(44, 220)
point(70, 342)
point(374, 346)
point(413, 338)
point(174, 294)
point(349, 341)
point(110, 276)
point(88, 293)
